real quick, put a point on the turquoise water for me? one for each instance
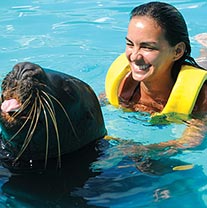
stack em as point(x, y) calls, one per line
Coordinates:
point(82, 39)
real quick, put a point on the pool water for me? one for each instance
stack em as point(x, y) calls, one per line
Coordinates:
point(82, 38)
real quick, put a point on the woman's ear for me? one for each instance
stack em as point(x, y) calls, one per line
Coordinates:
point(179, 50)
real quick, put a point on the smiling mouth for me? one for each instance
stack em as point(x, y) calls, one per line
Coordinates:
point(143, 67)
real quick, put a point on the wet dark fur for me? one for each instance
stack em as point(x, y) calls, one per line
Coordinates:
point(59, 114)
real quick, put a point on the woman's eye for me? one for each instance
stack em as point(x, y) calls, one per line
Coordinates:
point(129, 44)
point(148, 48)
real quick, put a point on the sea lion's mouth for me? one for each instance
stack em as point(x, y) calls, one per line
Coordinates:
point(12, 113)
point(10, 105)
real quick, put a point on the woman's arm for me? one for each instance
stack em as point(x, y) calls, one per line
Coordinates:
point(192, 137)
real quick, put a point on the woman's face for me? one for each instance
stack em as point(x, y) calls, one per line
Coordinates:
point(149, 53)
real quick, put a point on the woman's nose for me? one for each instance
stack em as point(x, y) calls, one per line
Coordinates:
point(135, 55)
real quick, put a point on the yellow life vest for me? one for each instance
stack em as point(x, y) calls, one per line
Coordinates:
point(184, 93)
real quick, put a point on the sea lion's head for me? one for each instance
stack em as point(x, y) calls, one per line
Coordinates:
point(20, 90)
point(27, 112)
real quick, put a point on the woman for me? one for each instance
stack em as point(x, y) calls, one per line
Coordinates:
point(157, 46)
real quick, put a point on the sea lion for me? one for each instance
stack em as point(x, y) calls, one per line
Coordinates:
point(45, 114)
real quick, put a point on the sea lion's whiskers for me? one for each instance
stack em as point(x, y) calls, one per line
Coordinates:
point(54, 121)
point(47, 130)
point(23, 107)
point(52, 115)
point(69, 120)
point(33, 124)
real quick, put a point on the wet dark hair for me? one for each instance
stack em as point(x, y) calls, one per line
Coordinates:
point(174, 25)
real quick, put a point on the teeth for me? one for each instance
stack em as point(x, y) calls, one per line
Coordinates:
point(143, 67)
